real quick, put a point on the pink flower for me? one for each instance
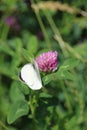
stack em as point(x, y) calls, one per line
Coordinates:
point(12, 22)
point(48, 61)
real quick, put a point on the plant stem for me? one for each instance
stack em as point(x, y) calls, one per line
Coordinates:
point(2, 125)
point(33, 103)
point(66, 96)
point(4, 32)
point(64, 46)
point(42, 27)
point(55, 30)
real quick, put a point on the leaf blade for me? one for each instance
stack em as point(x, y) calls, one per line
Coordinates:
point(18, 109)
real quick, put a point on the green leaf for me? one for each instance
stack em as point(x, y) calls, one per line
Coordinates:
point(5, 70)
point(16, 60)
point(63, 72)
point(9, 2)
point(24, 89)
point(45, 95)
point(58, 75)
point(15, 92)
point(43, 50)
point(69, 64)
point(55, 127)
point(12, 128)
point(16, 44)
point(82, 49)
point(6, 49)
point(32, 45)
point(47, 79)
point(27, 55)
point(18, 91)
point(18, 109)
point(65, 75)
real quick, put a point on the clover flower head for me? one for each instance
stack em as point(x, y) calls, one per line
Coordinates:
point(48, 61)
point(12, 22)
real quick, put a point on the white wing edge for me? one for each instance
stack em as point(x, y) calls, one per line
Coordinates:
point(23, 77)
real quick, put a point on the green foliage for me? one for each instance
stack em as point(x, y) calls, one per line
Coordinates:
point(81, 49)
point(27, 55)
point(62, 72)
point(19, 92)
point(32, 45)
point(18, 109)
point(61, 103)
point(69, 64)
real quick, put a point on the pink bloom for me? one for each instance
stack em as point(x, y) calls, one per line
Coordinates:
point(12, 22)
point(48, 61)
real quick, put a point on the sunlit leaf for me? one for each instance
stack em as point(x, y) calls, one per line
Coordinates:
point(69, 64)
point(18, 91)
point(32, 44)
point(82, 49)
point(18, 109)
point(58, 75)
point(15, 92)
point(27, 55)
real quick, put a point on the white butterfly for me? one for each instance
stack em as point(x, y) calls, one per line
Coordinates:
point(30, 75)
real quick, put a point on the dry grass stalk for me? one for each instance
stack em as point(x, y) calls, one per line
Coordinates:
point(58, 6)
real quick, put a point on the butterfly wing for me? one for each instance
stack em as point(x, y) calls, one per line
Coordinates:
point(35, 66)
point(30, 76)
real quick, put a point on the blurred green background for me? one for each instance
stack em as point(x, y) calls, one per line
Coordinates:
point(38, 27)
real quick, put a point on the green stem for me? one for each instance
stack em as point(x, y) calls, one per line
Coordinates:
point(33, 99)
point(77, 55)
point(4, 32)
point(2, 125)
point(42, 27)
point(44, 90)
point(56, 31)
point(64, 46)
point(66, 96)
point(31, 104)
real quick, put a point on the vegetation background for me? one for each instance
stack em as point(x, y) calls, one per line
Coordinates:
point(30, 27)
